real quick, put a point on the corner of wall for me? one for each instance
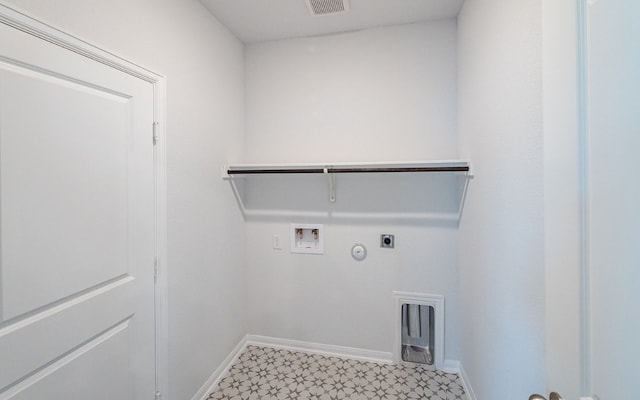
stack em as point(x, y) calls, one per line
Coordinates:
point(221, 371)
point(466, 384)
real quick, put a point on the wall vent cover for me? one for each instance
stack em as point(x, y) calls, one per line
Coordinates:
point(328, 7)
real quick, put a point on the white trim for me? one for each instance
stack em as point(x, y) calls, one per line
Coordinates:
point(12, 16)
point(451, 366)
point(466, 384)
point(434, 300)
point(585, 223)
point(322, 349)
point(162, 283)
point(221, 371)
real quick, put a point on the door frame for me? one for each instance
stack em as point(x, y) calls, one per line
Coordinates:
point(566, 204)
point(13, 17)
point(582, 67)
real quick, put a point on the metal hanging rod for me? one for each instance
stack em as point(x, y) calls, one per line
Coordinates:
point(256, 171)
point(344, 170)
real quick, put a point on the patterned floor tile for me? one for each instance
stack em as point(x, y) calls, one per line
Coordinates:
point(264, 373)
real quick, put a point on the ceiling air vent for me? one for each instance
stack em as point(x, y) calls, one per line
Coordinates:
point(328, 7)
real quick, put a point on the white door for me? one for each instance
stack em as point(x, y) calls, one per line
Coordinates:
point(76, 226)
point(593, 283)
point(614, 185)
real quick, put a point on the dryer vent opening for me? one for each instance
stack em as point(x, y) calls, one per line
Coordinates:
point(418, 333)
point(328, 7)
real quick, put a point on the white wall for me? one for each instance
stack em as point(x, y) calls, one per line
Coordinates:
point(501, 233)
point(203, 64)
point(373, 95)
point(382, 94)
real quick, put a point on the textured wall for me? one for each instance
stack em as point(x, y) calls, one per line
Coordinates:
point(372, 95)
point(501, 232)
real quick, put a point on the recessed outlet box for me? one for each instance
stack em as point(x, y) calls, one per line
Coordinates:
point(307, 238)
point(387, 241)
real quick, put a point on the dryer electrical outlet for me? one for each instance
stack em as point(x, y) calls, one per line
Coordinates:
point(387, 241)
point(307, 238)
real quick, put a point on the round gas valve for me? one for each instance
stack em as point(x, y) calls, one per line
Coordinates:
point(358, 252)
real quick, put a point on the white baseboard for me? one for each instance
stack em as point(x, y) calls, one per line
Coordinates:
point(323, 349)
point(451, 367)
point(466, 383)
point(222, 369)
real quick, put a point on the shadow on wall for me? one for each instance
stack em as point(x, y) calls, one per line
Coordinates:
point(421, 198)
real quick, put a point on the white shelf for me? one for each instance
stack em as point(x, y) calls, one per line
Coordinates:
point(456, 167)
point(451, 166)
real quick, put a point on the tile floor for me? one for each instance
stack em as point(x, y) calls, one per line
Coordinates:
point(263, 373)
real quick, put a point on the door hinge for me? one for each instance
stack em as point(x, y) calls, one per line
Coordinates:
point(155, 269)
point(158, 395)
point(155, 132)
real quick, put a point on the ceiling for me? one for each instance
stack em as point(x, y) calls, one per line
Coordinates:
point(261, 20)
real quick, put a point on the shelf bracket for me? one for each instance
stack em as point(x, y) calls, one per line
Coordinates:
point(331, 177)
